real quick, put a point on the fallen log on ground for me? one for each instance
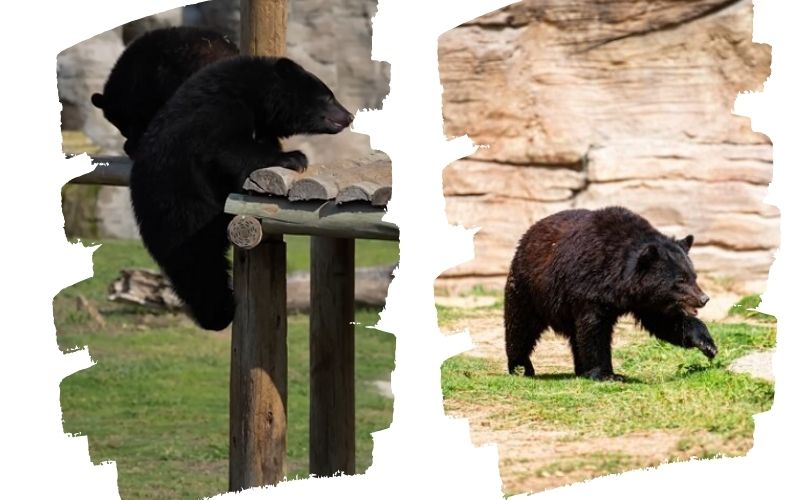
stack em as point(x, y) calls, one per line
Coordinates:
point(150, 288)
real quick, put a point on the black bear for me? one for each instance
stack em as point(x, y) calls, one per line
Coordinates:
point(578, 271)
point(150, 70)
point(200, 147)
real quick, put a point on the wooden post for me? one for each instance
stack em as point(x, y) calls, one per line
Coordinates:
point(258, 379)
point(258, 366)
point(332, 396)
point(264, 27)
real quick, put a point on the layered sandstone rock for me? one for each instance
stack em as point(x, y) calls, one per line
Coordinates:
point(625, 102)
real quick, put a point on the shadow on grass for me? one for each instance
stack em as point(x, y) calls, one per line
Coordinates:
point(571, 376)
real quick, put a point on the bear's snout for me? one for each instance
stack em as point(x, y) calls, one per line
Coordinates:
point(337, 118)
point(695, 300)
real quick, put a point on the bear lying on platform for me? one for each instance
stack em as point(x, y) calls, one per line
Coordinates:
point(200, 147)
point(578, 271)
point(149, 72)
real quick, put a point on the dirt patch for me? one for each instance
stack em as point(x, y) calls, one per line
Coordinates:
point(533, 458)
point(757, 364)
point(466, 302)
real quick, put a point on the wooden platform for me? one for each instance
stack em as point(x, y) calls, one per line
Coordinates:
point(365, 179)
point(368, 179)
point(346, 199)
point(334, 204)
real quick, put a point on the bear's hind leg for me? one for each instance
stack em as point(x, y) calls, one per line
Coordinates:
point(522, 328)
point(198, 270)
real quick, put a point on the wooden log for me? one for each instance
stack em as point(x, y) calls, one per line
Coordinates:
point(109, 171)
point(371, 288)
point(83, 304)
point(332, 357)
point(258, 380)
point(144, 287)
point(360, 191)
point(279, 215)
point(258, 341)
point(271, 180)
point(264, 27)
point(245, 232)
point(323, 187)
point(344, 180)
point(374, 167)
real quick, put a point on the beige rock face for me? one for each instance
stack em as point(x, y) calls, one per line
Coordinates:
point(594, 103)
point(333, 39)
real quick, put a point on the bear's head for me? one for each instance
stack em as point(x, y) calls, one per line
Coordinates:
point(308, 105)
point(665, 278)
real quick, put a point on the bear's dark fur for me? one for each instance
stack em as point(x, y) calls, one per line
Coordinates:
point(578, 271)
point(200, 147)
point(150, 70)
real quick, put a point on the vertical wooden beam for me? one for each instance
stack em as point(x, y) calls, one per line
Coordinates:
point(332, 397)
point(258, 417)
point(258, 366)
point(264, 27)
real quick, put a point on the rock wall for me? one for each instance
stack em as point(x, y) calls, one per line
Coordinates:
point(332, 39)
point(82, 70)
point(615, 102)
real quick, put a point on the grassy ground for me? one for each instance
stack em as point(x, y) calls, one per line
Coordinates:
point(666, 388)
point(745, 308)
point(157, 400)
point(555, 428)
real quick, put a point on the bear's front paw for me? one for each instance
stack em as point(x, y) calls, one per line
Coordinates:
point(294, 160)
point(696, 334)
point(708, 349)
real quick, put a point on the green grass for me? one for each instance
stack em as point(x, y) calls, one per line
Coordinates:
point(598, 463)
point(746, 308)
point(157, 400)
point(449, 315)
point(666, 388)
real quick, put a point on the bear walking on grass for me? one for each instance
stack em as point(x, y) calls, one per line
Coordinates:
point(150, 70)
point(200, 147)
point(578, 271)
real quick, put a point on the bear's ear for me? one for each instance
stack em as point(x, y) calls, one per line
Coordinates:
point(686, 243)
point(647, 256)
point(285, 66)
point(97, 100)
